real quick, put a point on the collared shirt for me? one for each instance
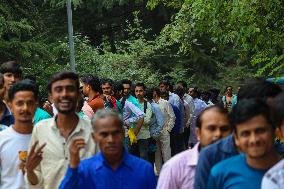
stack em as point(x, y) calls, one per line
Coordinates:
point(169, 115)
point(157, 120)
point(144, 132)
point(211, 155)
point(274, 178)
point(7, 117)
point(189, 100)
point(175, 100)
point(96, 103)
point(179, 171)
point(96, 173)
point(53, 166)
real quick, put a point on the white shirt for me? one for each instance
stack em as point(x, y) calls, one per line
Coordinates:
point(169, 115)
point(11, 145)
point(53, 166)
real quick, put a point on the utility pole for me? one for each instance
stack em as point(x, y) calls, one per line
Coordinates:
point(70, 36)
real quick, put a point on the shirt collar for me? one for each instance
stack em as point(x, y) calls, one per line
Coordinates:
point(193, 158)
point(78, 128)
point(227, 145)
point(126, 160)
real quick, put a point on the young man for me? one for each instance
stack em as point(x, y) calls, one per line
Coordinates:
point(274, 178)
point(254, 134)
point(48, 155)
point(113, 167)
point(225, 148)
point(163, 152)
point(179, 171)
point(109, 99)
point(92, 90)
point(14, 141)
point(143, 137)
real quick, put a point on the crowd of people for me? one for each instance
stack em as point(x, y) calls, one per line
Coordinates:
point(98, 133)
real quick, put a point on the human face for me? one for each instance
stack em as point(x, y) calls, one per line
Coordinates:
point(191, 92)
point(126, 90)
point(64, 95)
point(23, 106)
point(107, 89)
point(109, 135)
point(214, 126)
point(2, 88)
point(155, 96)
point(139, 92)
point(229, 90)
point(163, 87)
point(255, 137)
point(85, 89)
point(10, 79)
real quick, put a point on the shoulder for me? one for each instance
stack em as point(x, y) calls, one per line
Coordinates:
point(276, 173)
point(139, 164)
point(180, 160)
point(5, 132)
point(237, 160)
point(45, 123)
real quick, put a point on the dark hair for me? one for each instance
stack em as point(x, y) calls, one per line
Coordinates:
point(278, 110)
point(183, 83)
point(219, 108)
point(105, 81)
point(93, 81)
point(180, 91)
point(228, 87)
point(11, 66)
point(24, 85)
point(141, 85)
point(157, 90)
point(165, 82)
point(126, 81)
point(165, 95)
point(247, 109)
point(149, 95)
point(1, 80)
point(258, 88)
point(61, 76)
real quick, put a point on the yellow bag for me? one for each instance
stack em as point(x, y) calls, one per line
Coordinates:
point(132, 136)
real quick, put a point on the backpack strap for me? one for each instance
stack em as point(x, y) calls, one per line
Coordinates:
point(145, 106)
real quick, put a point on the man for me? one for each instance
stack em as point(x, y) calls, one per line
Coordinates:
point(143, 137)
point(48, 155)
point(274, 178)
point(109, 99)
point(14, 140)
point(163, 152)
point(199, 105)
point(126, 84)
point(179, 171)
point(254, 134)
point(113, 167)
point(92, 90)
point(189, 108)
point(226, 148)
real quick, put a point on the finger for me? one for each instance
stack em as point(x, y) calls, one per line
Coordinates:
point(79, 139)
point(33, 147)
point(40, 148)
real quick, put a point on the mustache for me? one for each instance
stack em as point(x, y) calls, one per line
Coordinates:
point(26, 113)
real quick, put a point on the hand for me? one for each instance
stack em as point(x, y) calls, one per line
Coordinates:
point(75, 147)
point(34, 157)
point(48, 108)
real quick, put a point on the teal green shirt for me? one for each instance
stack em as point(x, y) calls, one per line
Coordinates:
point(40, 114)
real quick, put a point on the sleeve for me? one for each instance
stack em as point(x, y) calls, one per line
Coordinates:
point(191, 110)
point(213, 182)
point(187, 114)
point(202, 170)
point(167, 180)
point(137, 114)
point(73, 179)
point(37, 170)
point(172, 117)
point(268, 184)
point(148, 115)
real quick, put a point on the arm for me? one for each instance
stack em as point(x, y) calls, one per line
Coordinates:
point(151, 178)
point(172, 117)
point(136, 113)
point(148, 115)
point(167, 179)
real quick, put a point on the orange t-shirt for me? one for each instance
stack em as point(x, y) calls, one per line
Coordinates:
point(96, 103)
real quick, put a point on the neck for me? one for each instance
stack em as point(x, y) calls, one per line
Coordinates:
point(93, 95)
point(115, 161)
point(264, 162)
point(229, 95)
point(141, 100)
point(67, 121)
point(23, 127)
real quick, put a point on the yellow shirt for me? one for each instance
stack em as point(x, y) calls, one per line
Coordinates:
point(53, 166)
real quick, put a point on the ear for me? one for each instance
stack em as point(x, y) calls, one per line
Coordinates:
point(237, 142)
point(198, 133)
point(9, 104)
point(94, 137)
point(279, 134)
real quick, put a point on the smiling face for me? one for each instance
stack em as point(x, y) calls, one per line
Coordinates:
point(109, 134)
point(255, 137)
point(64, 94)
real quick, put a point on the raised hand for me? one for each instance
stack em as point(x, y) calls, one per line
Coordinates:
point(34, 157)
point(74, 150)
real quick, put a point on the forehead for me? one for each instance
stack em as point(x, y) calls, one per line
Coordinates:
point(64, 83)
point(139, 88)
point(252, 124)
point(106, 85)
point(212, 116)
point(106, 124)
point(24, 95)
point(126, 86)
